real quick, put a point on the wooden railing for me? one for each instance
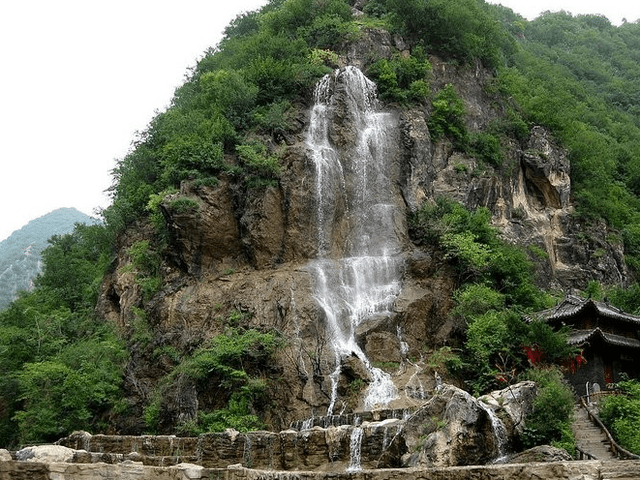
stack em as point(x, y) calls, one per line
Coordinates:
point(617, 450)
point(582, 455)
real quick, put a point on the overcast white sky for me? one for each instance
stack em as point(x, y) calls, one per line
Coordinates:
point(78, 78)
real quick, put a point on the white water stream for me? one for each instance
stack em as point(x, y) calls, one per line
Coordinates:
point(357, 271)
point(355, 450)
point(499, 432)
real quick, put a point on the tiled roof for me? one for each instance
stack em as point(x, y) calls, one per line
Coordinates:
point(572, 306)
point(579, 337)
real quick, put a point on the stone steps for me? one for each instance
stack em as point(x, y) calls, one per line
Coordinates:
point(589, 437)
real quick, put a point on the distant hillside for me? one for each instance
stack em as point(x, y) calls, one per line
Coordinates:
point(20, 253)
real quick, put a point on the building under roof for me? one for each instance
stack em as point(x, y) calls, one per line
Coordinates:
point(608, 337)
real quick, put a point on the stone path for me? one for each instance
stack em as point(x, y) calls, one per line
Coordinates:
point(589, 437)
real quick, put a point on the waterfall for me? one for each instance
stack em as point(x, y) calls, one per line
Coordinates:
point(247, 455)
point(307, 424)
point(404, 346)
point(355, 450)
point(414, 387)
point(357, 272)
point(499, 432)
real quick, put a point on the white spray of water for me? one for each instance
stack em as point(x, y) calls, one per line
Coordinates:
point(414, 388)
point(404, 346)
point(499, 431)
point(365, 278)
point(355, 450)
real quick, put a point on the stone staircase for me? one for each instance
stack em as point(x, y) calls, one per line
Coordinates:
point(589, 438)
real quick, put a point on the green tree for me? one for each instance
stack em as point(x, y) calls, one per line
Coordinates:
point(61, 366)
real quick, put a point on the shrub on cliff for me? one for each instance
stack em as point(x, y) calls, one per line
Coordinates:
point(472, 245)
point(403, 79)
point(233, 361)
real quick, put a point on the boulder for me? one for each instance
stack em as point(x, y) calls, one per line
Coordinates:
point(541, 453)
point(452, 428)
point(515, 400)
point(45, 454)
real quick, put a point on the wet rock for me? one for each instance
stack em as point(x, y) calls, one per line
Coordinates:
point(516, 401)
point(78, 440)
point(452, 428)
point(383, 347)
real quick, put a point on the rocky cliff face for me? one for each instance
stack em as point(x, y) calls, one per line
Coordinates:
point(249, 251)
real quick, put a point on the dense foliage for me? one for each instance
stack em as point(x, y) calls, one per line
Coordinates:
point(549, 423)
point(236, 361)
point(621, 415)
point(464, 31)
point(61, 366)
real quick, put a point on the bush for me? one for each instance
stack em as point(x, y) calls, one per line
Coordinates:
point(258, 161)
point(476, 299)
point(146, 263)
point(276, 118)
point(463, 30)
point(553, 343)
point(402, 80)
point(182, 204)
point(447, 117)
point(621, 414)
point(494, 349)
point(375, 8)
point(231, 360)
point(487, 148)
point(295, 15)
point(327, 32)
point(472, 245)
point(550, 421)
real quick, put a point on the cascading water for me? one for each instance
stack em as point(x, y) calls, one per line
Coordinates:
point(355, 450)
point(499, 432)
point(357, 271)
